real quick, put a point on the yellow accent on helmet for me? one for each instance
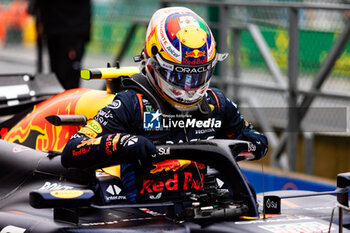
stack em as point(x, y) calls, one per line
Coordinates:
point(192, 36)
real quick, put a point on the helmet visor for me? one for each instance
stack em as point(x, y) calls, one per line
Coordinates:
point(185, 77)
point(186, 80)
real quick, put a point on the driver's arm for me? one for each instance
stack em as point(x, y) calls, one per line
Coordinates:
point(105, 140)
point(238, 128)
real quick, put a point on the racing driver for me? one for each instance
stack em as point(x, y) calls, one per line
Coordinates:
point(172, 104)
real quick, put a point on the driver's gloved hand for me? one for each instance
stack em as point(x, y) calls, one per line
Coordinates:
point(258, 140)
point(136, 149)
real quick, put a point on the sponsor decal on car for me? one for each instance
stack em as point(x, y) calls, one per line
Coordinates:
point(36, 132)
point(155, 197)
point(151, 186)
point(172, 184)
point(167, 165)
point(66, 194)
point(55, 186)
point(173, 164)
point(114, 192)
point(164, 151)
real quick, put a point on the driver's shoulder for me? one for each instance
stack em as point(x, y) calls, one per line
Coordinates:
point(127, 96)
point(216, 96)
point(125, 102)
point(126, 93)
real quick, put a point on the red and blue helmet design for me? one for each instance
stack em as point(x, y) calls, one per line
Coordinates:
point(180, 56)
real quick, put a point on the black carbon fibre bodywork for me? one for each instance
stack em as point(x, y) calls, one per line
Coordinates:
point(24, 171)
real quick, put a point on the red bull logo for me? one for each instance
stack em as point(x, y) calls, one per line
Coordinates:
point(196, 61)
point(89, 142)
point(174, 165)
point(167, 165)
point(151, 186)
point(195, 54)
point(186, 182)
point(36, 132)
point(195, 57)
point(200, 166)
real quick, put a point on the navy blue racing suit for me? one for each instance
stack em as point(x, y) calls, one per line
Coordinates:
point(104, 138)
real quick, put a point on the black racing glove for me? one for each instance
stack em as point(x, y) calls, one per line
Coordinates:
point(259, 147)
point(136, 149)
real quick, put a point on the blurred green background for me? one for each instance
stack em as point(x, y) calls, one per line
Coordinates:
point(113, 18)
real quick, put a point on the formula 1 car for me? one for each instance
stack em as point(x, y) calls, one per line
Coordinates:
point(38, 195)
